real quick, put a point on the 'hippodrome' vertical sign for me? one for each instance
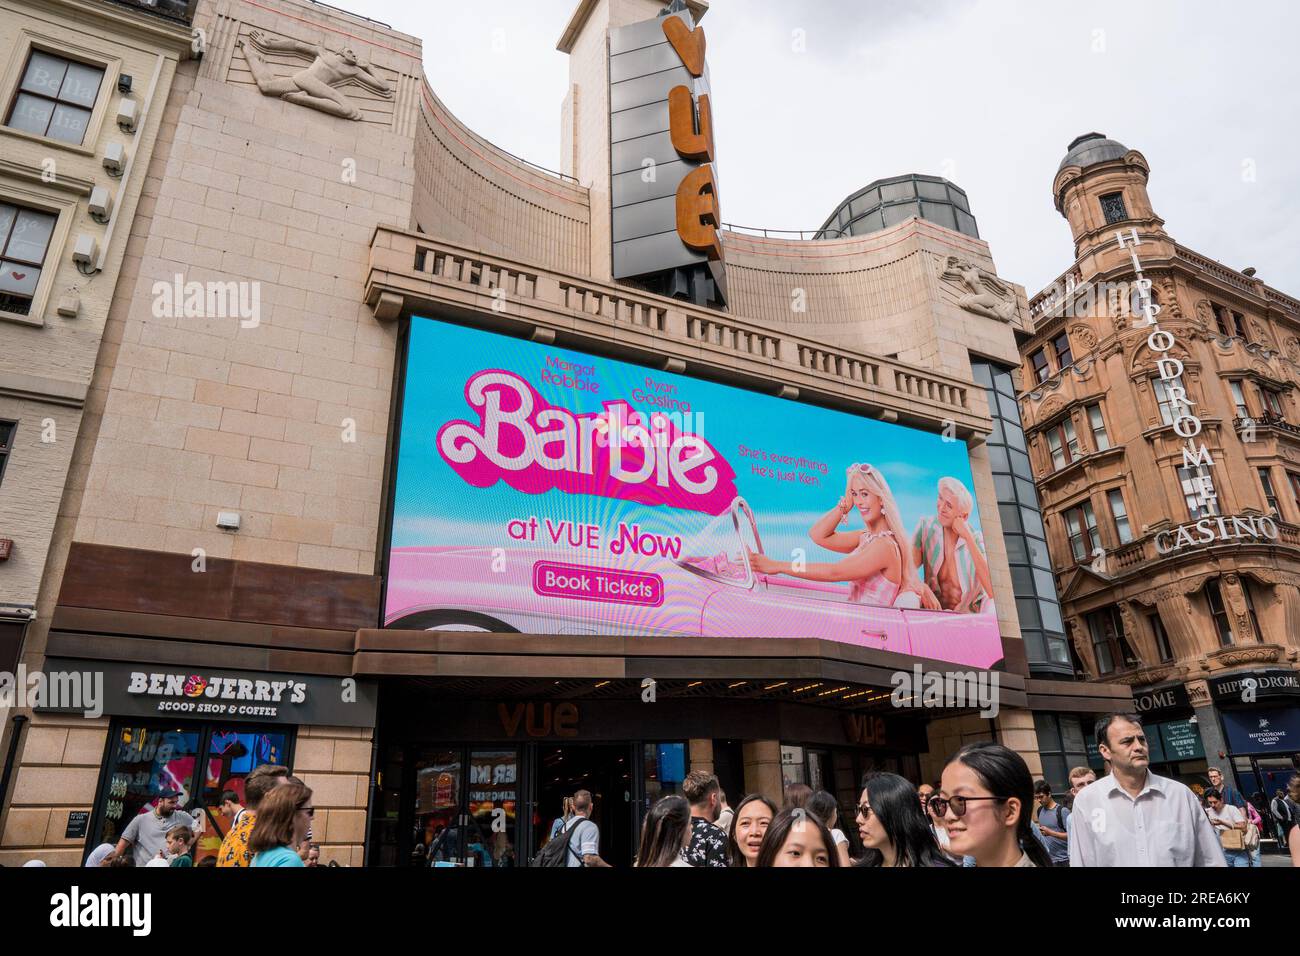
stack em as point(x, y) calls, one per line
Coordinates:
point(1186, 424)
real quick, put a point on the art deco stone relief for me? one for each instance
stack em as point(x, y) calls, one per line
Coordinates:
point(314, 85)
point(984, 293)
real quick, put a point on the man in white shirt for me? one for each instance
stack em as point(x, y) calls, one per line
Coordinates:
point(1132, 817)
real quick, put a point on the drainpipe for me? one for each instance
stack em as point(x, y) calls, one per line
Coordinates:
point(373, 795)
point(18, 720)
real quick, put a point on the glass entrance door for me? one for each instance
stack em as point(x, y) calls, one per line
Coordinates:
point(466, 807)
point(606, 770)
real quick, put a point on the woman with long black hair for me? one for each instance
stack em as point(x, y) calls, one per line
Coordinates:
point(984, 800)
point(893, 827)
point(665, 833)
point(797, 838)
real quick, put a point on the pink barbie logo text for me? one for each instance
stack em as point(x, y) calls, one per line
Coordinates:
point(618, 453)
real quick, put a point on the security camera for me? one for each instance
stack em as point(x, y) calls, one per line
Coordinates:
point(115, 158)
point(101, 204)
point(124, 83)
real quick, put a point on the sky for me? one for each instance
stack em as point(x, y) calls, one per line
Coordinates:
point(814, 100)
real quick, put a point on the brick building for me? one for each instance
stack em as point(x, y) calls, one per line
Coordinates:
point(1178, 572)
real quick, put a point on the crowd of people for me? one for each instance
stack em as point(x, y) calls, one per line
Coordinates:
point(985, 811)
point(269, 826)
point(981, 813)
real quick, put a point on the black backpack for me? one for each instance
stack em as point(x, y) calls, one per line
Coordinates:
point(556, 852)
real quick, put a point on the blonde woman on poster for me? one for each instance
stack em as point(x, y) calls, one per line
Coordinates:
point(878, 566)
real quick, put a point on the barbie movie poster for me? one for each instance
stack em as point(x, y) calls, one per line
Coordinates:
point(547, 491)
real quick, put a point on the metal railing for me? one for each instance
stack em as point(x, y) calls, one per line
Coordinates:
point(807, 235)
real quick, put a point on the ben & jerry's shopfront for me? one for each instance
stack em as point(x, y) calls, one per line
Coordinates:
point(200, 732)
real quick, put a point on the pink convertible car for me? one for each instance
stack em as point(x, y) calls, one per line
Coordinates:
point(708, 593)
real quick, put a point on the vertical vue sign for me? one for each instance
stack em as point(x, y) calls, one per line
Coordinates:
point(664, 188)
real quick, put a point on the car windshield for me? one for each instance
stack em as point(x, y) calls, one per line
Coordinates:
point(718, 551)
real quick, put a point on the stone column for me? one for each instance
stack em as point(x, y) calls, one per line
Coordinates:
point(1016, 731)
point(762, 768)
point(701, 754)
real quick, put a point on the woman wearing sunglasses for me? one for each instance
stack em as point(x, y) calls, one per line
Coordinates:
point(984, 801)
point(878, 563)
point(893, 827)
point(283, 819)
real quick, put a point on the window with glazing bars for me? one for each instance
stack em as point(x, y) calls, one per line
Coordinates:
point(55, 97)
point(1063, 442)
point(1081, 527)
point(24, 242)
point(1198, 491)
point(7, 430)
point(1222, 622)
point(1038, 361)
point(1163, 647)
point(1239, 398)
point(1170, 408)
point(1099, 437)
point(1061, 345)
point(1120, 513)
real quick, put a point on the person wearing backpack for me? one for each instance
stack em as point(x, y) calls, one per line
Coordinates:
point(1053, 819)
point(578, 843)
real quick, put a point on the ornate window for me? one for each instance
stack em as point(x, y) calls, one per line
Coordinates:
point(1112, 207)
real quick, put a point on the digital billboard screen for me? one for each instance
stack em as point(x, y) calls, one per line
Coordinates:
point(547, 491)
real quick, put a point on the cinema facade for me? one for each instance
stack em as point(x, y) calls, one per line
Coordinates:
point(522, 481)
